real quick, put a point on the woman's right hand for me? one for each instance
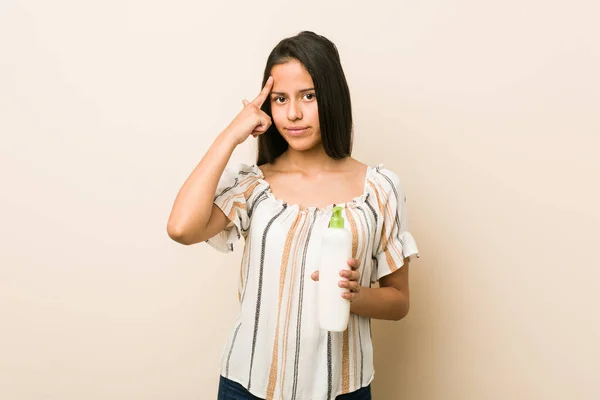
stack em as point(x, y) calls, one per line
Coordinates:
point(252, 120)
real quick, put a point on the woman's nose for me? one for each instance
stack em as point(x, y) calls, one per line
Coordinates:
point(294, 111)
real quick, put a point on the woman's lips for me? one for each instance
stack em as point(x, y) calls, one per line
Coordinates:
point(297, 130)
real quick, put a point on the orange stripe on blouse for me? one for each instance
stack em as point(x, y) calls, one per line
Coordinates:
point(282, 274)
point(298, 247)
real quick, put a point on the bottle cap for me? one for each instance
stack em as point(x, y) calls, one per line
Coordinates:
point(337, 221)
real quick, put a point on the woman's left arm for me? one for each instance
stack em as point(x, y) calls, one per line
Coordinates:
point(389, 301)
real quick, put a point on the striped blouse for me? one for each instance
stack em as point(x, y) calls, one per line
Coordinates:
point(276, 349)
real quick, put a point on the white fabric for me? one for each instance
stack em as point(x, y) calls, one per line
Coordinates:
point(276, 348)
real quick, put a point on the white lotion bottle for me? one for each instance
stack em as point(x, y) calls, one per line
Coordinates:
point(336, 249)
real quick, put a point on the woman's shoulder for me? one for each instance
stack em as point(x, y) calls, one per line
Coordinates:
point(242, 169)
point(386, 174)
point(385, 179)
point(240, 177)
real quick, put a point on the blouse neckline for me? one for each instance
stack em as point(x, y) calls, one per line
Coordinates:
point(355, 202)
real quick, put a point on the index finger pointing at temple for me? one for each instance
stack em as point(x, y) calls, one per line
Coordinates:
point(264, 93)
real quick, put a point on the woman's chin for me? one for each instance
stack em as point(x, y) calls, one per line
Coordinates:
point(302, 144)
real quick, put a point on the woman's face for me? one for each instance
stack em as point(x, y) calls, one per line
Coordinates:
point(294, 106)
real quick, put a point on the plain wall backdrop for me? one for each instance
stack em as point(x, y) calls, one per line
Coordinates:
point(488, 111)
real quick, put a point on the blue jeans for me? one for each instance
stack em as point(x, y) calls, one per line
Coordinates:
point(230, 390)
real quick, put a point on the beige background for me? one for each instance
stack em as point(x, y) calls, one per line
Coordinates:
point(489, 112)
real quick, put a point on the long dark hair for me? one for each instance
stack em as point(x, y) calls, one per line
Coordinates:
point(321, 59)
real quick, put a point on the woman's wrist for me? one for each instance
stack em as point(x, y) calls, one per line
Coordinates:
point(228, 139)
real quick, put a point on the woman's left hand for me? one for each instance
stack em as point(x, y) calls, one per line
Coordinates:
point(350, 282)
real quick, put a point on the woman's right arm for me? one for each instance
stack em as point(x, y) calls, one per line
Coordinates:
point(194, 218)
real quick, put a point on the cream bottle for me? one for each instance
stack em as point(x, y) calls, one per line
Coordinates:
point(336, 249)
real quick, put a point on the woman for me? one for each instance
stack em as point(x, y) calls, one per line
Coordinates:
point(281, 206)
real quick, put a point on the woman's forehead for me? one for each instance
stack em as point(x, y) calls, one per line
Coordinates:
point(291, 76)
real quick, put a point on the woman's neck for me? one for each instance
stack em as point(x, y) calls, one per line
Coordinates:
point(309, 162)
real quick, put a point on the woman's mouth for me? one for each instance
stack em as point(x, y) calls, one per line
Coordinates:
point(297, 130)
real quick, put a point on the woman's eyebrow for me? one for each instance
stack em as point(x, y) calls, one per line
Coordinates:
point(299, 91)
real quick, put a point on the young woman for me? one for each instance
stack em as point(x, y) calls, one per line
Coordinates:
point(281, 206)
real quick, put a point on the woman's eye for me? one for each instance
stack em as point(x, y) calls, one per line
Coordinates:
point(309, 96)
point(279, 99)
